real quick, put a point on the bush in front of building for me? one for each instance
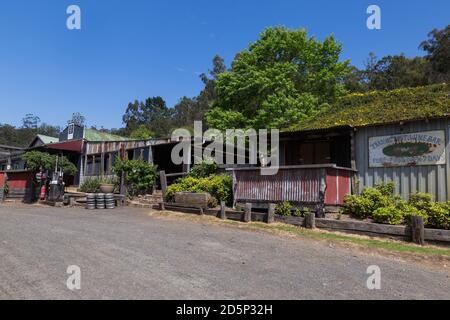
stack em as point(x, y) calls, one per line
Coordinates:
point(218, 186)
point(382, 205)
point(38, 161)
point(90, 185)
point(370, 200)
point(140, 176)
point(286, 209)
point(203, 169)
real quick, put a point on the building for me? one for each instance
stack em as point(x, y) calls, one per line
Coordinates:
point(401, 136)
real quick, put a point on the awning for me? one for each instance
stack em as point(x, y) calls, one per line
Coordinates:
point(72, 145)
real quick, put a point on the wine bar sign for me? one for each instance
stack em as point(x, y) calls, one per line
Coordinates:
point(413, 149)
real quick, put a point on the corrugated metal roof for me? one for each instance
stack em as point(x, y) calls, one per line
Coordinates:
point(47, 139)
point(94, 135)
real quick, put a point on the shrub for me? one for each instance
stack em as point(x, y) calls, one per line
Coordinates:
point(283, 209)
point(204, 169)
point(364, 205)
point(386, 188)
point(218, 186)
point(439, 215)
point(390, 215)
point(140, 175)
point(91, 185)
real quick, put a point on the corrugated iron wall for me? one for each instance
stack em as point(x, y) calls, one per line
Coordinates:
point(433, 179)
point(296, 185)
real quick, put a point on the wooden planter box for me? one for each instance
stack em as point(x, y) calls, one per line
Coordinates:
point(193, 199)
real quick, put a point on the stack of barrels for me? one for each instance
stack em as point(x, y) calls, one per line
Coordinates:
point(100, 201)
point(90, 201)
point(110, 203)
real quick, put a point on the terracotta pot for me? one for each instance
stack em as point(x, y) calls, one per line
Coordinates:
point(107, 188)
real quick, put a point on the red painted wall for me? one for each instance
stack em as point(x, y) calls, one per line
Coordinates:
point(338, 185)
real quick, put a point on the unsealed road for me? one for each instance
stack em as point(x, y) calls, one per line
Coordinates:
point(126, 254)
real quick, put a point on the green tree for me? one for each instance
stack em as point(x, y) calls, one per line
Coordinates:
point(41, 161)
point(438, 53)
point(282, 78)
point(393, 72)
point(153, 114)
point(141, 133)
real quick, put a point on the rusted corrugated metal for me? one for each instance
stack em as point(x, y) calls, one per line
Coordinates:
point(114, 146)
point(297, 184)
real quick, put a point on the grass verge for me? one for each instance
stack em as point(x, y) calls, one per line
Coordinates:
point(361, 241)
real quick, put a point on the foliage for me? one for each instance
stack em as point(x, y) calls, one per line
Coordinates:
point(141, 133)
point(153, 114)
point(22, 136)
point(218, 186)
point(204, 169)
point(37, 161)
point(282, 78)
point(438, 53)
point(91, 185)
point(77, 119)
point(368, 202)
point(397, 71)
point(140, 175)
point(384, 206)
point(286, 209)
point(362, 109)
point(396, 213)
point(283, 209)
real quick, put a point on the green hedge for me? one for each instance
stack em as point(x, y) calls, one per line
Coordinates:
point(384, 206)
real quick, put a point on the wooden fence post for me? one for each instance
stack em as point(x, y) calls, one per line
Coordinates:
point(163, 180)
point(271, 213)
point(418, 230)
point(310, 220)
point(223, 213)
point(248, 212)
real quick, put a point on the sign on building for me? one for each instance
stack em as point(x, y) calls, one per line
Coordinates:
point(412, 149)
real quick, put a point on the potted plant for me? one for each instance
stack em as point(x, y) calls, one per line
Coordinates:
point(107, 184)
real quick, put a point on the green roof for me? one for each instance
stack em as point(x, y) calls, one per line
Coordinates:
point(380, 107)
point(47, 139)
point(94, 135)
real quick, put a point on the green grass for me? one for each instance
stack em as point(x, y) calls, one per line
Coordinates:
point(370, 243)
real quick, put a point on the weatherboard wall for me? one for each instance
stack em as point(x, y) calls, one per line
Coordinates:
point(433, 179)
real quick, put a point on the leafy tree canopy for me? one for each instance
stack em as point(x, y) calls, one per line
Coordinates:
point(37, 161)
point(141, 133)
point(282, 78)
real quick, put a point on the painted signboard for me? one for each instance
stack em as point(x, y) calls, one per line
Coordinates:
point(412, 149)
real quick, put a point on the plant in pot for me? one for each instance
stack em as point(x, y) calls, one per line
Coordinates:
point(108, 184)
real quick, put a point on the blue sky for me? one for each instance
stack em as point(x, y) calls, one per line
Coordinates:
point(134, 49)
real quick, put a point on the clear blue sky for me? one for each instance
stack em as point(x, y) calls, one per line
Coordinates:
point(134, 49)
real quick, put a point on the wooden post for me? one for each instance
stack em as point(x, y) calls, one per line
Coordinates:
point(202, 211)
point(310, 220)
point(223, 214)
point(161, 206)
point(418, 230)
point(248, 212)
point(163, 179)
point(271, 213)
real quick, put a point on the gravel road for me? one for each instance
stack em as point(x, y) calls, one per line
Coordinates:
point(127, 254)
